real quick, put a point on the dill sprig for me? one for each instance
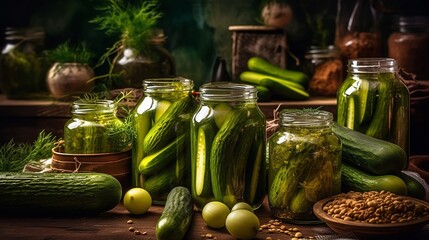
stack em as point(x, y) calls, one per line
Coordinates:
point(14, 156)
point(66, 53)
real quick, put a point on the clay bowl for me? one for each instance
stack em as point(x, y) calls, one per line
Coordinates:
point(368, 230)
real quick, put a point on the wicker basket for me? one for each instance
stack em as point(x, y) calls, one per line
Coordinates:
point(262, 41)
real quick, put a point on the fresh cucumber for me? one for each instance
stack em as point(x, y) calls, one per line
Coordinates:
point(256, 78)
point(415, 186)
point(284, 90)
point(264, 94)
point(163, 131)
point(370, 154)
point(152, 163)
point(353, 179)
point(176, 216)
point(258, 64)
point(58, 193)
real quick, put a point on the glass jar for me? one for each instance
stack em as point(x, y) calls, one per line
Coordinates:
point(228, 139)
point(324, 66)
point(95, 128)
point(357, 30)
point(154, 61)
point(161, 151)
point(22, 68)
point(304, 158)
point(409, 45)
point(374, 101)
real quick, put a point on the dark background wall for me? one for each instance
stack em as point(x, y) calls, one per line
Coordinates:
point(196, 30)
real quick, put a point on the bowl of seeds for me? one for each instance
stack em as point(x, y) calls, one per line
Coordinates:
point(373, 214)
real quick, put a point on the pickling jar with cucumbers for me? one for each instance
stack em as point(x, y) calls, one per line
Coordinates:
point(228, 146)
point(161, 151)
point(374, 101)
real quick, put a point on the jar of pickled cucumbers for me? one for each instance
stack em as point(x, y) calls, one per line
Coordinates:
point(304, 158)
point(95, 128)
point(161, 152)
point(228, 141)
point(373, 100)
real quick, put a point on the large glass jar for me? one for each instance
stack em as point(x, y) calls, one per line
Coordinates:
point(161, 149)
point(228, 140)
point(304, 158)
point(358, 30)
point(95, 128)
point(409, 45)
point(373, 100)
point(22, 68)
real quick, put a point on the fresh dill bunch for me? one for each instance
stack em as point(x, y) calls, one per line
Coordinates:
point(66, 53)
point(133, 23)
point(14, 156)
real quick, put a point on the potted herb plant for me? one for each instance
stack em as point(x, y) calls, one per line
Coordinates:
point(70, 72)
point(138, 53)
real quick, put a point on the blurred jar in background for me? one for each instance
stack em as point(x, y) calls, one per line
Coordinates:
point(408, 44)
point(324, 66)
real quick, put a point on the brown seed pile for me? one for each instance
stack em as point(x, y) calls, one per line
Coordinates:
point(276, 226)
point(375, 207)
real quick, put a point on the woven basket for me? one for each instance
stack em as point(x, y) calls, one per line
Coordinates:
point(116, 164)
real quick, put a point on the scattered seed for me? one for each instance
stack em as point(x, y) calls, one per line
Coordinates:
point(130, 221)
point(131, 229)
point(137, 232)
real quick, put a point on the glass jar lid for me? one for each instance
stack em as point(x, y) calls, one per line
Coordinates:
point(178, 84)
point(372, 65)
point(91, 106)
point(227, 91)
point(305, 118)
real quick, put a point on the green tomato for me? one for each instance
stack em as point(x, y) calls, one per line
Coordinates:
point(214, 214)
point(242, 205)
point(137, 200)
point(242, 224)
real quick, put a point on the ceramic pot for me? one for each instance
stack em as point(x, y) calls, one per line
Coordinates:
point(66, 79)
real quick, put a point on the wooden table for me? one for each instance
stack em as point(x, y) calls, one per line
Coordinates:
point(113, 225)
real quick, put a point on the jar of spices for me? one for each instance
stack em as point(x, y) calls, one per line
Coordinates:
point(357, 30)
point(304, 158)
point(409, 45)
point(228, 140)
point(161, 152)
point(22, 68)
point(95, 128)
point(373, 100)
point(324, 66)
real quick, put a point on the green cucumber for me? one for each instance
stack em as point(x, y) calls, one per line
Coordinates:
point(58, 193)
point(264, 94)
point(370, 154)
point(415, 186)
point(256, 78)
point(367, 100)
point(255, 174)
point(152, 163)
point(220, 112)
point(161, 108)
point(202, 180)
point(176, 216)
point(352, 113)
point(353, 179)
point(163, 131)
point(221, 155)
point(284, 90)
point(258, 64)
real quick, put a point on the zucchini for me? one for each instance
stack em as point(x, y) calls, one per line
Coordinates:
point(220, 160)
point(58, 193)
point(176, 216)
point(163, 131)
point(372, 155)
point(260, 65)
point(353, 179)
point(415, 187)
point(157, 161)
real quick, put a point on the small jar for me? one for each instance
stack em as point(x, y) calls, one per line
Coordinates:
point(95, 128)
point(161, 152)
point(409, 45)
point(373, 100)
point(304, 158)
point(22, 68)
point(324, 66)
point(228, 140)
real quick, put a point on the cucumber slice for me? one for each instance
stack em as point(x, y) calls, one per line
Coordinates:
point(221, 111)
point(352, 113)
point(161, 107)
point(366, 98)
point(202, 174)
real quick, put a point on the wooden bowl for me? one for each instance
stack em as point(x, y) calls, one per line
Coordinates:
point(369, 230)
